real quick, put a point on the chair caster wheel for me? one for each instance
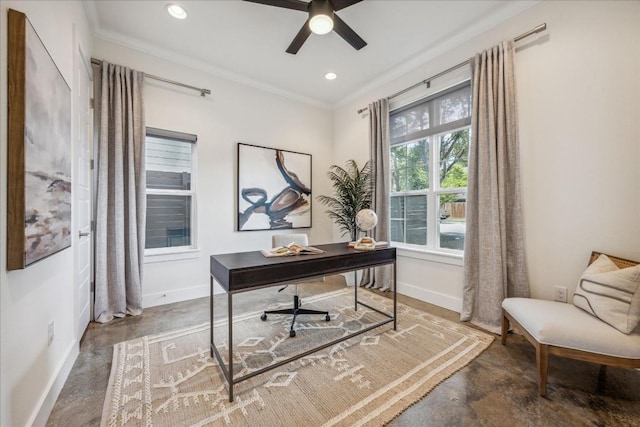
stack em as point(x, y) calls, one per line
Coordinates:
point(263, 317)
point(292, 333)
point(327, 317)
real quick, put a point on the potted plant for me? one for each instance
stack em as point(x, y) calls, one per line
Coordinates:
point(352, 192)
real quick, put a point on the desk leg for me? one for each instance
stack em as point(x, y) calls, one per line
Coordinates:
point(395, 300)
point(355, 288)
point(211, 315)
point(230, 320)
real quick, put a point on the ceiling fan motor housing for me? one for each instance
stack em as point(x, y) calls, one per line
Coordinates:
point(321, 7)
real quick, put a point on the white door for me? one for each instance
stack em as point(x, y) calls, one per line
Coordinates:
point(82, 193)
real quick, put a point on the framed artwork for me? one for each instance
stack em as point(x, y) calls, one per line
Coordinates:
point(39, 149)
point(274, 189)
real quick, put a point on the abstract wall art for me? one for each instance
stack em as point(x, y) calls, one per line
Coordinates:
point(274, 189)
point(39, 149)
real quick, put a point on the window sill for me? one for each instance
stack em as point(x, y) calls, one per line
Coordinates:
point(170, 254)
point(416, 252)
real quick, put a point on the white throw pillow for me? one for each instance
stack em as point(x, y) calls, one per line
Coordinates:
point(610, 294)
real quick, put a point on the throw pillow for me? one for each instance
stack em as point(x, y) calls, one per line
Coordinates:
point(610, 294)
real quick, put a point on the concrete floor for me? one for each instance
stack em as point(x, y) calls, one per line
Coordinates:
point(498, 388)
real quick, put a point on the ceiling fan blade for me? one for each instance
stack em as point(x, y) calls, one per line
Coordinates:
point(300, 38)
point(287, 4)
point(345, 31)
point(341, 4)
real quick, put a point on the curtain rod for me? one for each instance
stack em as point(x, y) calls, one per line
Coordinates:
point(427, 82)
point(202, 91)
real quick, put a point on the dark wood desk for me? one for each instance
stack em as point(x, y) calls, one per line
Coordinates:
point(246, 271)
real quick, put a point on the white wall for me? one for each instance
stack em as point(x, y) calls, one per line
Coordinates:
point(233, 113)
point(32, 373)
point(579, 114)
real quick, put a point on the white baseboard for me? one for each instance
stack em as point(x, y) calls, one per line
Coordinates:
point(48, 400)
point(175, 295)
point(435, 298)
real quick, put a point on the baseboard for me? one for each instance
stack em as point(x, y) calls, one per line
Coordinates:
point(174, 295)
point(435, 298)
point(48, 400)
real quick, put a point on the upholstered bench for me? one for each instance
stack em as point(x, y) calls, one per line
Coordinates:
point(564, 330)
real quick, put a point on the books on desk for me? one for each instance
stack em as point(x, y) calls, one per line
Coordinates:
point(367, 245)
point(290, 250)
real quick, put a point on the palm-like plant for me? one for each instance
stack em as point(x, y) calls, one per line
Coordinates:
point(352, 192)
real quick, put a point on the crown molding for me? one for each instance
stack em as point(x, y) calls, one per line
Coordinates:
point(91, 11)
point(166, 54)
point(440, 47)
point(437, 48)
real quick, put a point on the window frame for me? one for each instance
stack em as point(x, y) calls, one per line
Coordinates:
point(185, 251)
point(432, 194)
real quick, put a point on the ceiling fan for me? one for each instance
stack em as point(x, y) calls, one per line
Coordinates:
point(321, 20)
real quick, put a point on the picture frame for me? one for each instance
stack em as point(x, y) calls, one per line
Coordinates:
point(273, 189)
point(39, 149)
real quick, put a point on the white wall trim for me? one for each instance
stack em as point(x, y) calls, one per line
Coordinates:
point(159, 52)
point(508, 11)
point(52, 391)
point(170, 254)
point(441, 300)
point(425, 255)
point(175, 295)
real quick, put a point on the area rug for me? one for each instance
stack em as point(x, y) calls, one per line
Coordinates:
point(170, 379)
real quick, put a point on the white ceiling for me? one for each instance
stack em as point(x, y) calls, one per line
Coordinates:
point(246, 42)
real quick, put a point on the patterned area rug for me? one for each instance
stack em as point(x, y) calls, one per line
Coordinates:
point(170, 379)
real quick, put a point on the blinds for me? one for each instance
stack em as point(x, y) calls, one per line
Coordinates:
point(168, 161)
point(170, 134)
point(442, 112)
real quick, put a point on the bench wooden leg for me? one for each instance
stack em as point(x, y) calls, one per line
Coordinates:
point(542, 360)
point(505, 328)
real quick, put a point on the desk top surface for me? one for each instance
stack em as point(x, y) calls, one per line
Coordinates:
point(243, 271)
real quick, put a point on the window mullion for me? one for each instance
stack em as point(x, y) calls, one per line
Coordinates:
point(431, 201)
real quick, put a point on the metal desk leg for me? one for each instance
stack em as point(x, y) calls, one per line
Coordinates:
point(230, 320)
point(395, 294)
point(355, 289)
point(211, 316)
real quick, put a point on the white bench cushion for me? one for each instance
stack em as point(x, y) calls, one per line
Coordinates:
point(564, 325)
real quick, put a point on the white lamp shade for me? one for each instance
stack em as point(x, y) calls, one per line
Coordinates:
point(321, 24)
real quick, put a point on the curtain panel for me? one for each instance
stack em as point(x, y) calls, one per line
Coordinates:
point(494, 253)
point(121, 198)
point(379, 149)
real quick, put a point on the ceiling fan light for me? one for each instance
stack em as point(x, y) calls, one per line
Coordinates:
point(321, 24)
point(176, 11)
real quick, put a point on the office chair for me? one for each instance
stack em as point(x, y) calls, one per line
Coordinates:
point(283, 240)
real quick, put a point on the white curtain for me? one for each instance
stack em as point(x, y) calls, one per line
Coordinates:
point(121, 199)
point(379, 277)
point(494, 254)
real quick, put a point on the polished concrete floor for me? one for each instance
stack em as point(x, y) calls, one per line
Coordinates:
point(497, 389)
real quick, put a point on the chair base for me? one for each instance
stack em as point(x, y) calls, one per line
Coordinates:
point(295, 311)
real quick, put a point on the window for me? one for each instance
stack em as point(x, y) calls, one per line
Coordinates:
point(429, 158)
point(170, 190)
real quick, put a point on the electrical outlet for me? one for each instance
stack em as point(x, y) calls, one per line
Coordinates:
point(50, 340)
point(560, 294)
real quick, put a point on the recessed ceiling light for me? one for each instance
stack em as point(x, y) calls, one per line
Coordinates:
point(330, 76)
point(176, 11)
